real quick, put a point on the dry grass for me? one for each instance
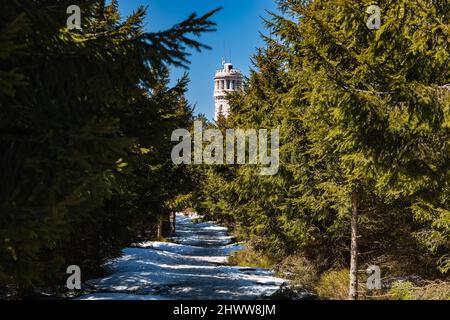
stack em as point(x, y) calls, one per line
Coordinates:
point(433, 290)
point(333, 285)
point(299, 270)
point(250, 258)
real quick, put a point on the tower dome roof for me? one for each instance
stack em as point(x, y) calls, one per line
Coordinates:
point(228, 71)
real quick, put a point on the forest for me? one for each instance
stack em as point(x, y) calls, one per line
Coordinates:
point(86, 119)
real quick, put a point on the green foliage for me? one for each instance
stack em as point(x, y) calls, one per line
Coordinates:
point(359, 110)
point(85, 123)
point(402, 290)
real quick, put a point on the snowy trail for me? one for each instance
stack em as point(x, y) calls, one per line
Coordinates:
point(194, 267)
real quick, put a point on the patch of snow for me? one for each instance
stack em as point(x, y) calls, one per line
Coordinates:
point(119, 296)
point(193, 268)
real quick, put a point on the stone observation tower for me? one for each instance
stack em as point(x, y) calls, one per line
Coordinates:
point(226, 80)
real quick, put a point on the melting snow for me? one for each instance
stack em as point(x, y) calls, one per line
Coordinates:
point(194, 267)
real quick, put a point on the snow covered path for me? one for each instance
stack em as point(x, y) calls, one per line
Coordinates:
point(193, 267)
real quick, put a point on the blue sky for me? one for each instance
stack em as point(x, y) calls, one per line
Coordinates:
point(238, 27)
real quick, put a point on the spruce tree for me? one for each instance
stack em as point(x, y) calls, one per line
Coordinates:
point(364, 118)
point(85, 117)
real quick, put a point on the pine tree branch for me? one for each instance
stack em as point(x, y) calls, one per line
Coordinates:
point(446, 86)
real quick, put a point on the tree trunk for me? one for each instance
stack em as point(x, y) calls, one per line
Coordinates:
point(159, 230)
point(174, 221)
point(165, 225)
point(353, 287)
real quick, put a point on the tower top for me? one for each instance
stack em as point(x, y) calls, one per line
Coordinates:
point(227, 70)
point(228, 66)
